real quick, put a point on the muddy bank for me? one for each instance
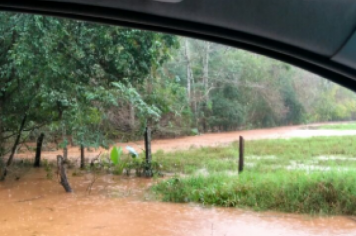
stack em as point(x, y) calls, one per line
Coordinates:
point(119, 206)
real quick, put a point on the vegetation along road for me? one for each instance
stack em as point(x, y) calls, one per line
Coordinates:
point(86, 91)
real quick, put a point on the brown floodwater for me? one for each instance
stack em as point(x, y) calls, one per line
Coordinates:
point(120, 206)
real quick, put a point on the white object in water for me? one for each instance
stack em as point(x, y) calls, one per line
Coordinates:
point(132, 151)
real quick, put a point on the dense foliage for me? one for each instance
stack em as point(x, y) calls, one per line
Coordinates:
point(232, 89)
point(69, 78)
point(88, 84)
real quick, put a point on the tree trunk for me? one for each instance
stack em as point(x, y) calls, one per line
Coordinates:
point(132, 116)
point(71, 141)
point(39, 150)
point(206, 83)
point(2, 141)
point(82, 157)
point(148, 166)
point(191, 83)
point(65, 153)
point(13, 150)
point(149, 91)
point(61, 163)
point(206, 69)
point(189, 71)
point(195, 105)
point(65, 141)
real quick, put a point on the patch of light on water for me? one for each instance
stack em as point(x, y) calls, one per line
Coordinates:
point(205, 172)
point(296, 166)
point(265, 157)
point(231, 173)
point(339, 158)
point(250, 164)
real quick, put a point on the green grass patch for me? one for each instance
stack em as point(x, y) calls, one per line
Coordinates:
point(265, 155)
point(304, 175)
point(297, 191)
point(347, 126)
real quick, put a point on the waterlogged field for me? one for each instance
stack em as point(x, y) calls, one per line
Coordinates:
point(314, 175)
point(304, 175)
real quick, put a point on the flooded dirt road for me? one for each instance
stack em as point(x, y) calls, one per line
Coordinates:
point(211, 139)
point(35, 206)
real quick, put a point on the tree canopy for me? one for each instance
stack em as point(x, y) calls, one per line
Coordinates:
point(89, 84)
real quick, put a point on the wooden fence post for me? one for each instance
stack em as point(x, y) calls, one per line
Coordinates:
point(148, 164)
point(61, 163)
point(241, 154)
point(39, 150)
point(82, 157)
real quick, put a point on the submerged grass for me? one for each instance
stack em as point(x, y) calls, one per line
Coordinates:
point(304, 175)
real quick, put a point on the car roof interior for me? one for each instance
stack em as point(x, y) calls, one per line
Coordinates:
point(317, 35)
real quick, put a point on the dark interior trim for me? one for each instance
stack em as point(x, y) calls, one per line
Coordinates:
point(312, 62)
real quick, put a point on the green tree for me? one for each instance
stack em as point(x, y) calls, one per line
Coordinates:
point(58, 70)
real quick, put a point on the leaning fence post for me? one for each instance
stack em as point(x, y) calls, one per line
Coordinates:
point(61, 165)
point(241, 154)
point(148, 167)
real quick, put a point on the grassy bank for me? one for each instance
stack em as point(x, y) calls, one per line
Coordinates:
point(313, 175)
point(297, 191)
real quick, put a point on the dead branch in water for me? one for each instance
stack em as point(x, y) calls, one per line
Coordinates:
point(95, 177)
point(31, 199)
point(89, 188)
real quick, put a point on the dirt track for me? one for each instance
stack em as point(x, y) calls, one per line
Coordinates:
point(212, 139)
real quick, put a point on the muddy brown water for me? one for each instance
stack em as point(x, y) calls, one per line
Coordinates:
point(36, 206)
point(120, 206)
